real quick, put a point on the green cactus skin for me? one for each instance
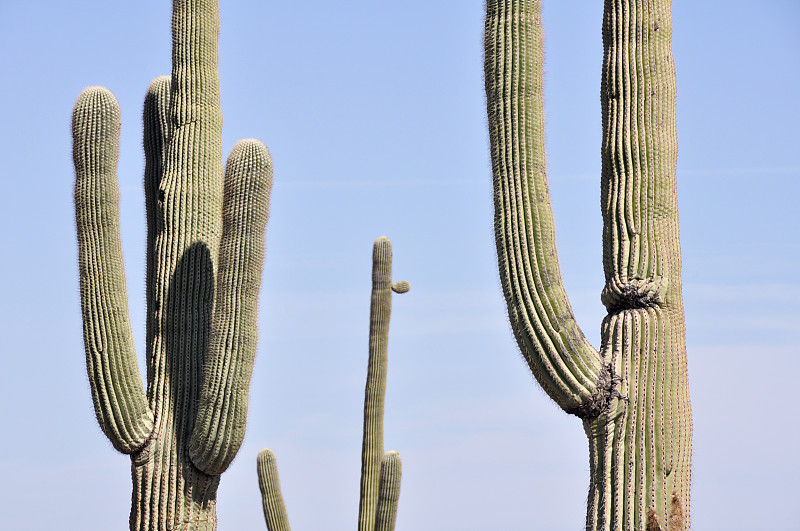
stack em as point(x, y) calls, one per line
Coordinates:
point(380, 471)
point(271, 498)
point(389, 492)
point(205, 250)
point(632, 395)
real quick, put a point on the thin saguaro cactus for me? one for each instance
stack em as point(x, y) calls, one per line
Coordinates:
point(205, 250)
point(380, 471)
point(632, 395)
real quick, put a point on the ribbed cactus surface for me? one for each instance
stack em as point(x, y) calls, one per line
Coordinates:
point(632, 395)
point(380, 471)
point(205, 250)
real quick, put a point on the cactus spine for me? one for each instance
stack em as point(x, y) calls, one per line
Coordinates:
point(633, 394)
point(205, 250)
point(380, 472)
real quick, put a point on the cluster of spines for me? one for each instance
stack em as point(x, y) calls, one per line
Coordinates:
point(380, 471)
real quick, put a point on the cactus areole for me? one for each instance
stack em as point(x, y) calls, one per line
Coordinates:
point(205, 250)
point(632, 394)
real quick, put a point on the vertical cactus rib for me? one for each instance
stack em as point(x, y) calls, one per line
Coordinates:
point(117, 391)
point(389, 492)
point(222, 414)
point(564, 363)
point(205, 249)
point(375, 391)
point(274, 507)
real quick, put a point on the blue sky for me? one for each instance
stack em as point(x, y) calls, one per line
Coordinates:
point(375, 118)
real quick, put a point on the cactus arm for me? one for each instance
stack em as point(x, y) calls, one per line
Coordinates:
point(271, 498)
point(375, 391)
point(117, 391)
point(222, 414)
point(564, 363)
point(389, 492)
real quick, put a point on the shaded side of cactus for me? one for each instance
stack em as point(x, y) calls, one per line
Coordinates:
point(633, 394)
point(380, 471)
point(205, 251)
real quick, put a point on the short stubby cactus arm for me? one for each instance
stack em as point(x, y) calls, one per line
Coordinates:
point(117, 391)
point(222, 414)
point(566, 366)
point(375, 392)
point(388, 492)
point(271, 498)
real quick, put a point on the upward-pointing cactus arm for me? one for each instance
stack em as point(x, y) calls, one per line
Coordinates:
point(388, 492)
point(563, 361)
point(271, 498)
point(222, 415)
point(117, 391)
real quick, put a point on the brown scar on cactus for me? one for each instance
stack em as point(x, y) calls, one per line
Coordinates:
point(675, 522)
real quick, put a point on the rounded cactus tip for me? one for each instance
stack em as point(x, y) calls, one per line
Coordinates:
point(401, 286)
point(266, 454)
point(159, 82)
point(96, 95)
point(250, 149)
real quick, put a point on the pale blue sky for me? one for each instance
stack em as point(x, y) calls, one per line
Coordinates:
point(376, 122)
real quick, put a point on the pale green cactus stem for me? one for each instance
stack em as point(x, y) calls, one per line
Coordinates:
point(633, 394)
point(271, 498)
point(380, 471)
point(205, 250)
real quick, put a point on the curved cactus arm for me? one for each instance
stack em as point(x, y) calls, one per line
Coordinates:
point(563, 361)
point(222, 413)
point(271, 497)
point(117, 392)
point(375, 392)
point(389, 491)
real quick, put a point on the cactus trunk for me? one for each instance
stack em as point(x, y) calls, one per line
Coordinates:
point(205, 249)
point(632, 395)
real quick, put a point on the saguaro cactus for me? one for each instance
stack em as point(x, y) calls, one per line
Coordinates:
point(380, 472)
point(633, 394)
point(205, 250)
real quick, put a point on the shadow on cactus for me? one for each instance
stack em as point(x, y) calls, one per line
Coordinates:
point(380, 471)
point(205, 251)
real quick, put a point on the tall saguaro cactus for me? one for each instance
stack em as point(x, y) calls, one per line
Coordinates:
point(205, 250)
point(380, 471)
point(633, 394)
